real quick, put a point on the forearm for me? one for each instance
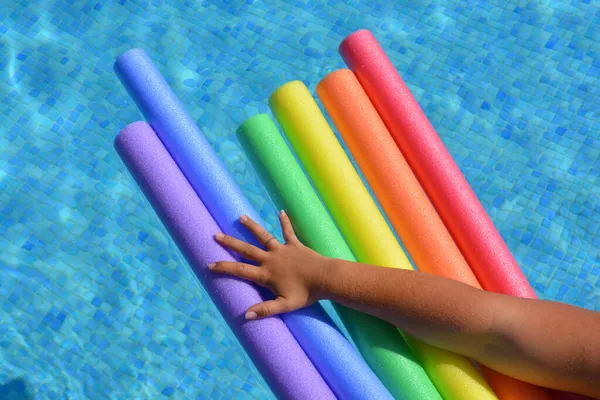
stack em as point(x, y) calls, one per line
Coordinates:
point(532, 340)
point(439, 311)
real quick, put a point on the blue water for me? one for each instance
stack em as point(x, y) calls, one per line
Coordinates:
point(96, 302)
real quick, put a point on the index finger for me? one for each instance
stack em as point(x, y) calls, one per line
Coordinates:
point(263, 236)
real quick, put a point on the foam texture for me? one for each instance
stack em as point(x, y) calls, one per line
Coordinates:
point(185, 142)
point(325, 345)
point(406, 204)
point(268, 342)
point(451, 194)
point(361, 223)
point(377, 341)
point(404, 201)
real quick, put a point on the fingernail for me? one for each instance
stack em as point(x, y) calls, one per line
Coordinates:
point(211, 266)
point(219, 236)
point(243, 218)
point(251, 315)
point(282, 213)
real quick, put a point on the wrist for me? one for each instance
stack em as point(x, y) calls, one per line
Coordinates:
point(326, 274)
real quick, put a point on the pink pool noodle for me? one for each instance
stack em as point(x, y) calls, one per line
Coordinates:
point(268, 342)
point(454, 199)
point(451, 194)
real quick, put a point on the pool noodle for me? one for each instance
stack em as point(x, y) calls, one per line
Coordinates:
point(185, 142)
point(332, 354)
point(379, 342)
point(361, 223)
point(449, 191)
point(406, 204)
point(410, 212)
point(456, 203)
point(268, 342)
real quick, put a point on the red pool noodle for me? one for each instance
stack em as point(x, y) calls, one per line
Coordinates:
point(454, 199)
point(451, 194)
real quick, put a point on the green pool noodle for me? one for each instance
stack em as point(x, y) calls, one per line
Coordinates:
point(379, 342)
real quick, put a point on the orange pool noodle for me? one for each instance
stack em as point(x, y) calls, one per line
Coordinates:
point(404, 201)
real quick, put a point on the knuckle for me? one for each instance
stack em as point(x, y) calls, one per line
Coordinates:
point(266, 277)
point(266, 310)
point(228, 241)
point(264, 236)
point(247, 248)
point(241, 268)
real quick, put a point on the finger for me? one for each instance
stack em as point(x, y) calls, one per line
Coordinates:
point(286, 227)
point(246, 250)
point(241, 270)
point(268, 308)
point(263, 236)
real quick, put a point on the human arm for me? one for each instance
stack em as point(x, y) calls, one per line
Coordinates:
point(545, 343)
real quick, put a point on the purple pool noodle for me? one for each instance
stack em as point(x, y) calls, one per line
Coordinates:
point(268, 342)
point(332, 354)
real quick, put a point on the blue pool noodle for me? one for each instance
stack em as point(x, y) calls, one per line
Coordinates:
point(335, 358)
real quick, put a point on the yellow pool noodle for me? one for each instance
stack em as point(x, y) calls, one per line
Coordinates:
point(362, 224)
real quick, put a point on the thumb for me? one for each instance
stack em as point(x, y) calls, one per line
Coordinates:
point(268, 308)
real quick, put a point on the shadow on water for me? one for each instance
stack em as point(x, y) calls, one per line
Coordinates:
point(15, 389)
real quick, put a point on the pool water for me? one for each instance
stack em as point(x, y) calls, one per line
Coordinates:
point(95, 300)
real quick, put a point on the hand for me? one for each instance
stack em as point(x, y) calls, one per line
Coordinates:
point(292, 271)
